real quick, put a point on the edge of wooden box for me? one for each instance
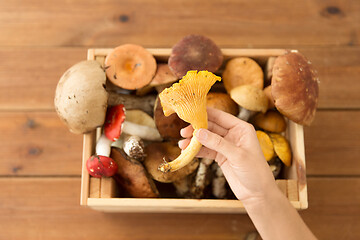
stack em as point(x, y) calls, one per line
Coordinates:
point(297, 189)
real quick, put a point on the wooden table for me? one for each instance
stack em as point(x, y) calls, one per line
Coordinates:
point(40, 160)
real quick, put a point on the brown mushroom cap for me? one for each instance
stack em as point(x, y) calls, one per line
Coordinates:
point(250, 98)
point(242, 71)
point(130, 66)
point(223, 102)
point(168, 127)
point(163, 78)
point(195, 52)
point(271, 121)
point(295, 88)
point(163, 75)
point(155, 154)
point(132, 176)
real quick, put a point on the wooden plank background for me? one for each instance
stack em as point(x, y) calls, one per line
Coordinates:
point(40, 160)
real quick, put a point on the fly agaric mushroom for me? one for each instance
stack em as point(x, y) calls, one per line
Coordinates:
point(188, 100)
point(281, 148)
point(115, 118)
point(132, 176)
point(80, 98)
point(271, 121)
point(101, 164)
point(134, 147)
point(155, 154)
point(163, 78)
point(195, 52)
point(223, 102)
point(242, 71)
point(130, 66)
point(250, 98)
point(295, 87)
point(168, 127)
point(266, 145)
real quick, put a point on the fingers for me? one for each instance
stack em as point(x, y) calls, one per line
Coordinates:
point(215, 142)
point(203, 153)
point(224, 119)
point(187, 132)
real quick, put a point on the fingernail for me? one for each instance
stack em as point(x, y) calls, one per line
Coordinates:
point(201, 134)
point(182, 131)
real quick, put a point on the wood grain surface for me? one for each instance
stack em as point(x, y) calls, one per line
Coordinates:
point(230, 23)
point(41, 161)
point(56, 214)
point(28, 85)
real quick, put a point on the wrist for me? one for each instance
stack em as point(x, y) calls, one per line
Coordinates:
point(269, 196)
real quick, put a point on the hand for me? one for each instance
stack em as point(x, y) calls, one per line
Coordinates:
point(234, 146)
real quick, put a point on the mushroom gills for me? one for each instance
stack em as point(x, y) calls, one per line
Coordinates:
point(188, 100)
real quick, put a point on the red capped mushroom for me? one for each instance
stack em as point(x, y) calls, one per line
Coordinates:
point(115, 118)
point(101, 166)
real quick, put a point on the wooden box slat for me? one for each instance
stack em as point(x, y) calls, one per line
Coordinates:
point(101, 196)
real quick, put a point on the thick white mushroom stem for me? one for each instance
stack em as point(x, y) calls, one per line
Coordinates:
point(184, 158)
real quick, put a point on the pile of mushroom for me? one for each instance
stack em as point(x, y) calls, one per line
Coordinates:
point(140, 104)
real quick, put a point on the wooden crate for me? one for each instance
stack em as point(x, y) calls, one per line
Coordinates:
point(99, 193)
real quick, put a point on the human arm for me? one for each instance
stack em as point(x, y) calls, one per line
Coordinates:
point(234, 146)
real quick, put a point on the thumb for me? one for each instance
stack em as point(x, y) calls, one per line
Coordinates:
point(214, 141)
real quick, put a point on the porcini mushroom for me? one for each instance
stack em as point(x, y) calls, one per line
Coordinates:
point(223, 102)
point(281, 148)
point(195, 52)
point(266, 145)
point(169, 127)
point(188, 99)
point(155, 154)
point(132, 176)
point(130, 66)
point(80, 98)
point(242, 71)
point(295, 87)
point(250, 98)
point(163, 78)
point(271, 121)
point(115, 118)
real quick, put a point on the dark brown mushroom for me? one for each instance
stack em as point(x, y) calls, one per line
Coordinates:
point(295, 87)
point(195, 52)
point(168, 127)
